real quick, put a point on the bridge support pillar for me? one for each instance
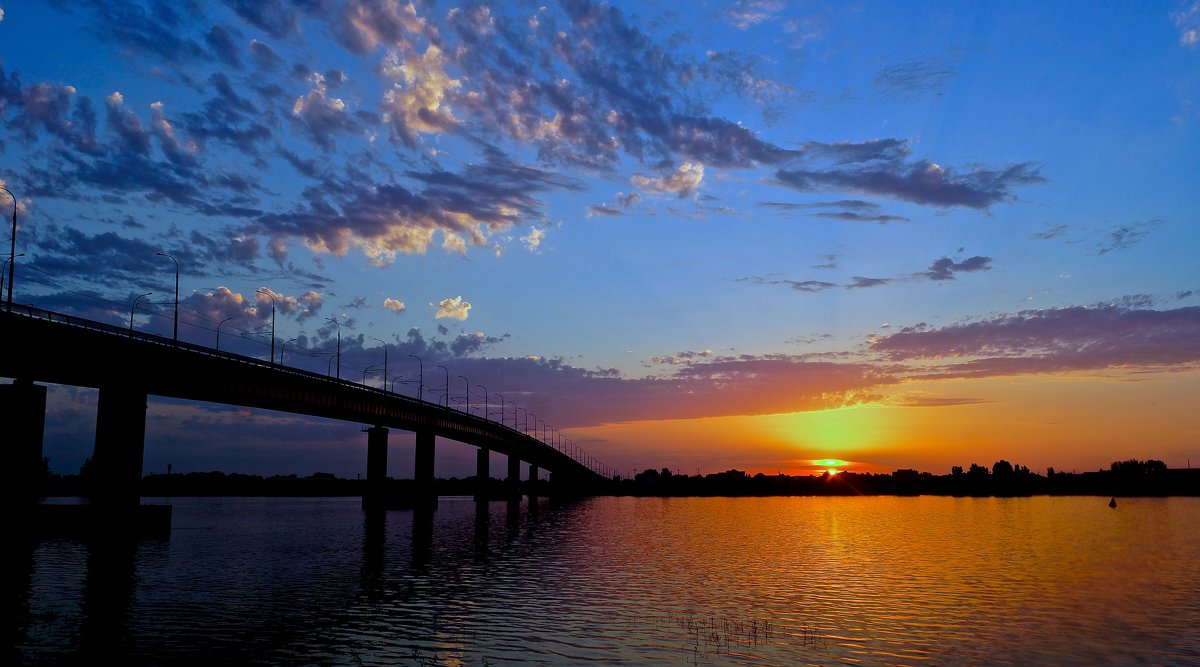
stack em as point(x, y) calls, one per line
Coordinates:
point(120, 445)
point(25, 417)
point(533, 480)
point(423, 470)
point(375, 495)
point(482, 475)
point(514, 476)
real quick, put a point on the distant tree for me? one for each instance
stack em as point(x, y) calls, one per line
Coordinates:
point(977, 472)
point(1002, 468)
point(957, 471)
point(1050, 472)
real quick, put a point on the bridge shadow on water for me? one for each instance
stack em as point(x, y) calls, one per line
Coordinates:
point(137, 602)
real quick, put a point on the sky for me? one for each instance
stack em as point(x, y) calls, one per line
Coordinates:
point(755, 235)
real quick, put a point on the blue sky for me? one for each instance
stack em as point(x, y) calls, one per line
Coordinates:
point(654, 211)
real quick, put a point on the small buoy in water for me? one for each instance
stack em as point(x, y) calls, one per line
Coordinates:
point(1112, 503)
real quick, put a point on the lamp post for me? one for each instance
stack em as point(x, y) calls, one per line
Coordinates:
point(526, 422)
point(175, 328)
point(501, 408)
point(420, 378)
point(283, 350)
point(339, 347)
point(467, 395)
point(219, 332)
point(6, 262)
point(485, 401)
point(385, 374)
point(514, 414)
point(272, 297)
point(131, 308)
point(394, 382)
point(12, 247)
point(447, 385)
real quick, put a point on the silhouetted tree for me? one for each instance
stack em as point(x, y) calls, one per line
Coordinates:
point(1002, 469)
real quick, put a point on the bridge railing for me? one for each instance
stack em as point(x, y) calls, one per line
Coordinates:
point(156, 339)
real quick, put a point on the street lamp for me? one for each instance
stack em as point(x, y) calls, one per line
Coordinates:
point(272, 296)
point(385, 375)
point(447, 385)
point(6, 261)
point(394, 382)
point(175, 329)
point(339, 346)
point(219, 332)
point(526, 422)
point(12, 247)
point(485, 400)
point(467, 395)
point(283, 350)
point(420, 378)
point(501, 408)
point(514, 414)
point(131, 308)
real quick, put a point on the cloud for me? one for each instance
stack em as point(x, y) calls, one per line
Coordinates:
point(682, 358)
point(1125, 237)
point(915, 76)
point(622, 202)
point(469, 344)
point(946, 268)
point(394, 305)
point(852, 216)
point(921, 182)
point(417, 102)
point(682, 183)
point(455, 308)
point(321, 115)
point(1187, 20)
point(1051, 233)
point(533, 240)
point(862, 281)
point(1054, 340)
point(747, 13)
point(811, 286)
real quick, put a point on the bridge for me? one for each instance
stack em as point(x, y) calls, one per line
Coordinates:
point(127, 366)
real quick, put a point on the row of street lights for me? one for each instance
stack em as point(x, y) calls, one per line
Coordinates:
point(9, 265)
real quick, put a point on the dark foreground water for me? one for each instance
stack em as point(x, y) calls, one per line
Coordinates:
point(746, 581)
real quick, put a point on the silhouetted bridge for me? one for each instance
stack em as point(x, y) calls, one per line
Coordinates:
point(127, 366)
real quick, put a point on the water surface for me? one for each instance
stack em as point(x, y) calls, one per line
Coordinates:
point(743, 581)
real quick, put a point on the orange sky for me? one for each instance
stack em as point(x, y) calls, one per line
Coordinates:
point(1075, 421)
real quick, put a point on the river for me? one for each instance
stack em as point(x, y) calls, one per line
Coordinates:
point(689, 581)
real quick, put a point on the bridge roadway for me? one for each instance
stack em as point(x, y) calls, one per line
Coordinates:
point(127, 366)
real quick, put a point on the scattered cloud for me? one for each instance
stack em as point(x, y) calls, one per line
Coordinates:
point(533, 240)
point(1054, 340)
point(1051, 233)
point(946, 268)
point(1124, 237)
point(681, 358)
point(862, 281)
point(748, 13)
point(682, 183)
point(1187, 20)
point(922, 75)
point(394, 305)
point(455, 308)
point(922, 182)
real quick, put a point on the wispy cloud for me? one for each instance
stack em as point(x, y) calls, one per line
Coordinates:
point(1124, 237)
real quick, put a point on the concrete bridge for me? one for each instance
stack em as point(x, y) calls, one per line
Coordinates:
point(128, 366)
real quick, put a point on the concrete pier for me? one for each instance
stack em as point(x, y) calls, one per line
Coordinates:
point(482, 475)
point(533, 481)
point(513, 482)
point(375, 494)
point(120, 445)
point(24, 405)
